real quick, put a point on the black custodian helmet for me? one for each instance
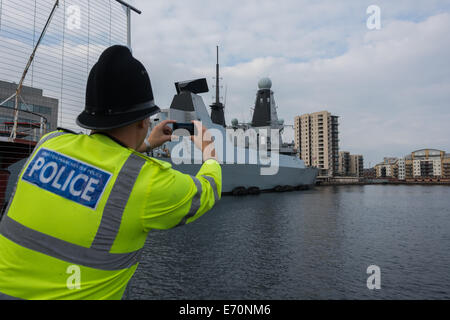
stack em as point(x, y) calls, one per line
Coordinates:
point(118, 92)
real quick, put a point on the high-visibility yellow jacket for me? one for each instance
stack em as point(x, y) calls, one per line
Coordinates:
point(81, 211)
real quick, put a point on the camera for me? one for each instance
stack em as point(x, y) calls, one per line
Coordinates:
point(186, 126)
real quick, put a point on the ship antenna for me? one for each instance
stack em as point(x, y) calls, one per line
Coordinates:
point(217, 112)
point(217, 78)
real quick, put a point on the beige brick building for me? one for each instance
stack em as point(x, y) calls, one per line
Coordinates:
point(386, 169)
point(316, 139)
point(344, 163)
point(356, 165)
point(427, 164)
point(350, 164)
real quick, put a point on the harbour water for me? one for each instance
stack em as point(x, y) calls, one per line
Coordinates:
point(314, 244)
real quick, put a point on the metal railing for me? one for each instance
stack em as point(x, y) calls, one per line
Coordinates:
point(31, 126)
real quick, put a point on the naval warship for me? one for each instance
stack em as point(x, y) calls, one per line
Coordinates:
point(247, 168)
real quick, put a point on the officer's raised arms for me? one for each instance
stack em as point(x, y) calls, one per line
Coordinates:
point(86, 202)
point(173, 198)
point(190, 196)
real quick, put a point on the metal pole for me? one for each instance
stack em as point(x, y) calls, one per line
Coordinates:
point(217, 78)
point(128, 10)
point(129, 6)
point(12, 96)
point(129, 27)
point(41, 127)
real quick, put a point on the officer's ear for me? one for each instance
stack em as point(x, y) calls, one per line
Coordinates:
point(141, 124)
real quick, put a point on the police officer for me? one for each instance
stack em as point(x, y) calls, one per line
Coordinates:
point(83, 204)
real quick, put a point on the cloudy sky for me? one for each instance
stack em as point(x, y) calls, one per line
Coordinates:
point(390, 87)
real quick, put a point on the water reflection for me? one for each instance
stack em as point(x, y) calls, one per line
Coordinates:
point(315, 244)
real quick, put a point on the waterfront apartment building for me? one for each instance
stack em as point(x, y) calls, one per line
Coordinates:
point(400, 169)
point(350, 164)
point(316, 139)
point(427, 164)
point(344, 163)
point(356, 165)
point(420, 165)
point(386, 169)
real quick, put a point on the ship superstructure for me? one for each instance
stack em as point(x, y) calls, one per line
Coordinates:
point(264, 164)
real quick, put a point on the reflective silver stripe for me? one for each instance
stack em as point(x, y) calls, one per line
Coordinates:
point(45, 139)
point(6, 297)
point(115, 206)
point(66, 251)
point(196, 202)
point(213, 184)
point(50, 136)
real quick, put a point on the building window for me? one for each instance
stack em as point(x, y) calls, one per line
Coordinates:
point(43, 110)
point(26, 107)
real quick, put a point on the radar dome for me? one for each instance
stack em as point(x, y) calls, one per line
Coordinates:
point(265, 83)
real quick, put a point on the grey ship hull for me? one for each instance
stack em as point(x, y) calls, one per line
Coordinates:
point(248, 175)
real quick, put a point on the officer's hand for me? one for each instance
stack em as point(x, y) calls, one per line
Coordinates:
point(160, 134)
point(203, 141)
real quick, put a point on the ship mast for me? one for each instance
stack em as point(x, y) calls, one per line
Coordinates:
point(217, 114)
point(217, 77)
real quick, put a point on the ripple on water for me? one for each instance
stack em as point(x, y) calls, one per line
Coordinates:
point(315, 244)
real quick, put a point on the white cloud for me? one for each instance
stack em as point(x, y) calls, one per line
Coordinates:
point(389, 87)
